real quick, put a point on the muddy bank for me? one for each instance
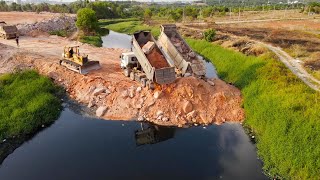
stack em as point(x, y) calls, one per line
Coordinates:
point(113, 96)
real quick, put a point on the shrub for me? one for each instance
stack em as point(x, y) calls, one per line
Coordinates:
point(209, 35)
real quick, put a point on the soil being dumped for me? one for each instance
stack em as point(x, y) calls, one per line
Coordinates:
point(156, 59)
point(113, 96)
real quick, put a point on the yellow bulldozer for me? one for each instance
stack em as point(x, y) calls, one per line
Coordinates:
point(73, 60)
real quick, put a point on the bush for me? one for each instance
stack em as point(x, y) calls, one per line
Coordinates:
point(209, 35)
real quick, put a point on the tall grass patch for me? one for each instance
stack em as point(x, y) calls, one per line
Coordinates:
point(27, 102)
point(280, 109)
point(130, 27)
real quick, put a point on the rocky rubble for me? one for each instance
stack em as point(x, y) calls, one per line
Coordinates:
point(54, 24)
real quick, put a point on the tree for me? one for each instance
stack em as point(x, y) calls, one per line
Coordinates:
point(209, 35)
point(87, 20)
point(147, 14)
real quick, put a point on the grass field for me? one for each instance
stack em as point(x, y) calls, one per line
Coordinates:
point(129, 27)
point(280, 109)
point(27, 101)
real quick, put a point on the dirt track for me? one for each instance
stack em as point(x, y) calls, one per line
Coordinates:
point(187, 101)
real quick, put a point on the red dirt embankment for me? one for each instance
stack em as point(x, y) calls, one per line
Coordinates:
point(115, 97)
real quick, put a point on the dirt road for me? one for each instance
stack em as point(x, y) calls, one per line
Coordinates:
point(187, 101)
point(295, 66)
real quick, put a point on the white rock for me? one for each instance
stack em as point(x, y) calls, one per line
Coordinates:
point(91, 104)
point(160, 117)
point(140, 118)
point(192, 114)
point(159, 113)
point(165, 119)
point(211, 83)
point(187, 74)
point(157, 94)
point(101, 111)
point(139, 89)
point(187, 107)
point(131, 92)
point(125, 94)
point(99, 91)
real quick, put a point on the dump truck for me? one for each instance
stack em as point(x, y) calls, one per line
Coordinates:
point(8, 31)
point(184, 58)
point(73, 60)
point(147, 63)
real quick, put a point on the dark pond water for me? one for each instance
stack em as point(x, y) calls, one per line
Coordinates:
point(78, 147)
point(116, 40)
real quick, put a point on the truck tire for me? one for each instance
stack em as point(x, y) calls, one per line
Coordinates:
point(143, 82)
point(126, 72)
point(132, 76)
point(150, 85)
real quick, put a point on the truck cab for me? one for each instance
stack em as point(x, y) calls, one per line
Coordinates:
point(128, 60)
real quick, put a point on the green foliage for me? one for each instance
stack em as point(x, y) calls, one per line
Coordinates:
point(282, 111)
point(131, 27)
point(209, 35)
point(26, 103)
point(147, 14)
point(94, 40)
point(87, 20)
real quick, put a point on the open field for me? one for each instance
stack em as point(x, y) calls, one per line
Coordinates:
point(262, 15)
point(25, 17)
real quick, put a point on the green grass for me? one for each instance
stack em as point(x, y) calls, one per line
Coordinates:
point(104, 22)
point(281, 110)
point(27, 102)
point(130, 27)
point(94, 40)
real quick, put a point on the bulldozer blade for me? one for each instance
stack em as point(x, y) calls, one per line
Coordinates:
point(90, 66)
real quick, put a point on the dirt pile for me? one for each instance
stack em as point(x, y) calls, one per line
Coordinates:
point(156, 59)
point(186, 102)
point(54, 24)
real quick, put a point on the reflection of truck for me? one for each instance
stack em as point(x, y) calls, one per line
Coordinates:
point(147, 63)
point(186, 60)
point(153, 134)
point(8, 31)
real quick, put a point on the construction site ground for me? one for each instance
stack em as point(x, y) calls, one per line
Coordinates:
point(113, 96)
point(26, 17)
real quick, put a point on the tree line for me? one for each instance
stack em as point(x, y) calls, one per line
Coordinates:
point(176, 12)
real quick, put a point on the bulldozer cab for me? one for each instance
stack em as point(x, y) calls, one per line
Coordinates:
point(73, 53)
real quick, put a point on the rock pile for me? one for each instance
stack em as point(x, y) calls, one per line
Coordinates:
point(54, 24)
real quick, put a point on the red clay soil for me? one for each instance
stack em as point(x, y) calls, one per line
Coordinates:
point(156, 59)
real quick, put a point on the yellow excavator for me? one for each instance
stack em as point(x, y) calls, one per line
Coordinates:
point(73, 60)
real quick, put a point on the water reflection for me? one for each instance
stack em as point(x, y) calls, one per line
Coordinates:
point(116, 40)
point(151, 134)
point(77, 147)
